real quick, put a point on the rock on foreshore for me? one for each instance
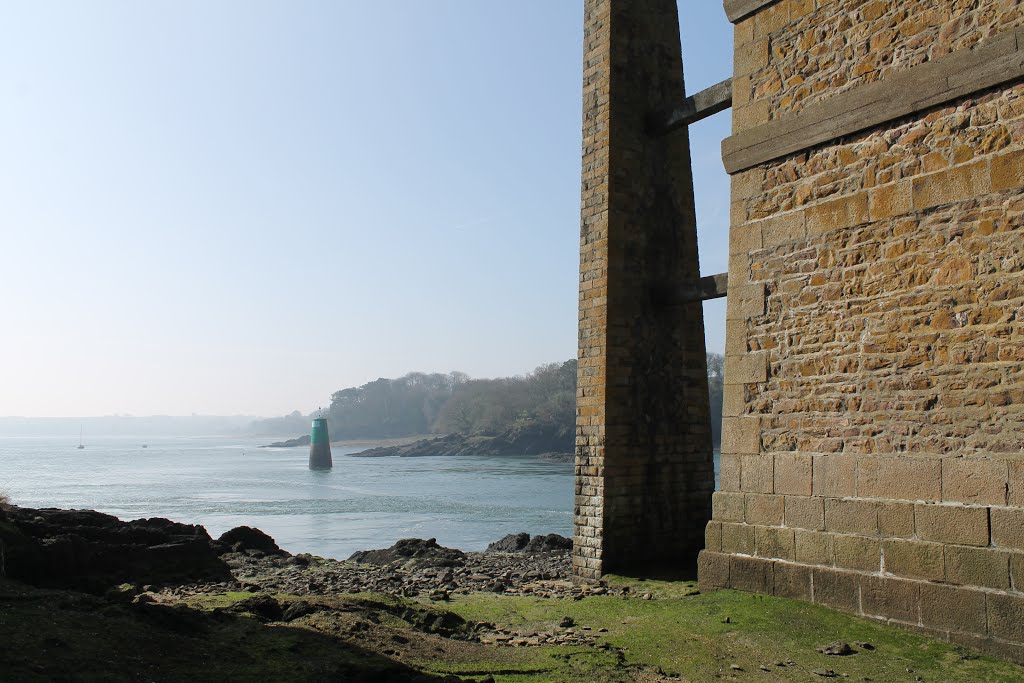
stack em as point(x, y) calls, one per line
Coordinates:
point(93, 552)
point(540, 566)
point(243, 538)
point(522, 543)
point(290, 443)
point(90, 551)
point(423, 553)
point(543, 440)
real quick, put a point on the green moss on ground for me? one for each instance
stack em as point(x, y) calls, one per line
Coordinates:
point(703, 637)
point(678, 635)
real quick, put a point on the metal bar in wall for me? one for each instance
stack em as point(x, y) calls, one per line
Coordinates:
point(704, 289)
point(693, 109)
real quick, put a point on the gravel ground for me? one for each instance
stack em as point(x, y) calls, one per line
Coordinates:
point(411, 568)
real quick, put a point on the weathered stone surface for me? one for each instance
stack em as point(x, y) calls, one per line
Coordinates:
point(738, 539)
point(975, 480)
point(953, 609)
point(765, 509)
point(774, 543)
point(792, 581)
point(857, 552)
point(713, 570)
point(851, 516)
point(868, 87)
point(874, 395)
point(952, 524)
point(1008, 528)
point(837, 589)
point(814, 548)
point(914, 559)
point(890, 598)
point(984, 567)
point(803, 512)
point(643, 444)
point(793, 474)
point(896, 520)
point(1006, 616)
point(751, 574)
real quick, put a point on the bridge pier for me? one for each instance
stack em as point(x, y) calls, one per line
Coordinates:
point(644, 472)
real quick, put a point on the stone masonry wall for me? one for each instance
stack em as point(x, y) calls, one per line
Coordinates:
point(797, 52)
point(873, 445)
point(644, 473)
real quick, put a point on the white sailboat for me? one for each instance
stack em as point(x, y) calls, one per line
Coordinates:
point(80, 445)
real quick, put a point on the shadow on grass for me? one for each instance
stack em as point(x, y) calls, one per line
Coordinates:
point(61, 635)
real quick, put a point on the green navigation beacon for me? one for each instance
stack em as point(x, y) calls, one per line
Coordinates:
point(320, 446)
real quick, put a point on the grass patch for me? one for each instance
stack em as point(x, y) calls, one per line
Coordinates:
point(678, 634)
point(209, 601)
point(702, 637)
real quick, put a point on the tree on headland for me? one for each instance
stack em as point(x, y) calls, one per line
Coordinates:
point(383, 408)
point(418, 404)
point(546, 396)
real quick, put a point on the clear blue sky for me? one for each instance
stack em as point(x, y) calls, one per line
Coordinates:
point(238, 207)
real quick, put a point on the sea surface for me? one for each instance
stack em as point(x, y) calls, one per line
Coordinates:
point(223, 482)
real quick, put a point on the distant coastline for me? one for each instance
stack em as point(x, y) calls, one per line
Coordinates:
point(537, 440)
point(301, 441)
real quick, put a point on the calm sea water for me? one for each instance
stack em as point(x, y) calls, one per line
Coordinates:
point(464, 502)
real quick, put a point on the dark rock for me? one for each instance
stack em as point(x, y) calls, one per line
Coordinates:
point(91, 551)
point(567, 622)
point(522, 543)
point(424, 553)
point(290, 443)
point(530, 439)
point(177, 618)
point(297, 610)
point(837, 649)
point(548, 543)
point(122, 594)
point(246, 538)
point(264, 607)
point(512, 543)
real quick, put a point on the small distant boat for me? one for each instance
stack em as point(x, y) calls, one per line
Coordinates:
point(145, 445)
point(80, 445)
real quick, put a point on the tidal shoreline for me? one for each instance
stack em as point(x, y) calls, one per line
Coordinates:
point(85, 596)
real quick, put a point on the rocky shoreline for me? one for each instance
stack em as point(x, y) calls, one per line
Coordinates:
point(158, 571)
point(509, 444)
point(93, 552)
point(85, 596)
point(411, 568)
point(290, 443)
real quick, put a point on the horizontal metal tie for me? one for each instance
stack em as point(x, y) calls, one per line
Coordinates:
point(694, 108)
point(704, 289)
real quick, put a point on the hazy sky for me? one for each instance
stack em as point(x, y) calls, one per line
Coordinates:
point(239, 206)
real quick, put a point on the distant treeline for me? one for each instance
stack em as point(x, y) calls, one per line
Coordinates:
point(451, 403)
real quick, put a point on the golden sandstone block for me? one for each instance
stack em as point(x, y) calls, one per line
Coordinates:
point(872, 433)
